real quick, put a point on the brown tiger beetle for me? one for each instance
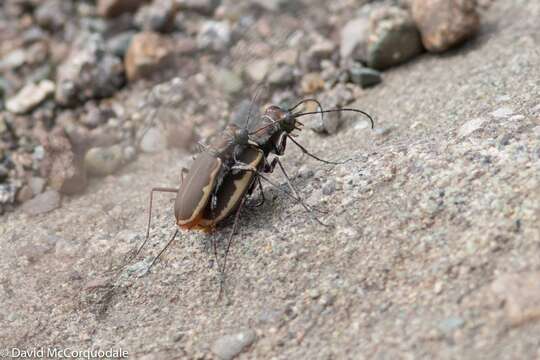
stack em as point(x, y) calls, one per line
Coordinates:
point(228, 169)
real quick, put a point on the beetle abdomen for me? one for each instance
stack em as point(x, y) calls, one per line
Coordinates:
point(232, 189)
point(192, 197)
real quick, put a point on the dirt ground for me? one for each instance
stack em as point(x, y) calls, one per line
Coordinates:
point(439, 203)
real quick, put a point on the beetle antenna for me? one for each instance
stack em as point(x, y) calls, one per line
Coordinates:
point(319, 106)
point(338, 110)
point(304, 150)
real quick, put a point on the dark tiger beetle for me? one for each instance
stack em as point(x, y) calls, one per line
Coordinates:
point(229, 168)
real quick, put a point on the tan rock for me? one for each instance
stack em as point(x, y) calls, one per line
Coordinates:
point(445, 23)
point(147, 53)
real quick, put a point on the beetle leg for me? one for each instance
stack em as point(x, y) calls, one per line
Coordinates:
point(263, 198)
point(157, 189)
point(247, 167)
point(229, 242)
point(162, 250)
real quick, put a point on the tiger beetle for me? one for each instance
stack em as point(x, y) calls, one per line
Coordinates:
point(229, 168)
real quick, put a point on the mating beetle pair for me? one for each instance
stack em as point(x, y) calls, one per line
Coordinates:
point(229, 168)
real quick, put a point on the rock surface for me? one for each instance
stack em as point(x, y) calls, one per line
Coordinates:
point(393, 38)
point(42, 203)
point(89, 72)
point(30, 96)
point(147, 52)
point(445, 23)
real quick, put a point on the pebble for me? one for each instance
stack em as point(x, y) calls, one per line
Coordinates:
point(329, 187)
point(214, 36)
point(62, 165)
point(228, 81)
point(471, 126)
point(89, 71)
point(112, 8)
point(42, 203)
point(354, 39)
point(148, 52)
point(283, 75)
point(158, 16)
point(51, 14)
point(305, 172)
point(365, 77)
point(521, 293)
point(450, 324)
point(37, 184)
point(393, 39)
point(153, 141)
point(102, 161)
point(319, 51)
point(30, 96)
point(119, 43)
point(502, 113)
point(229, 346)
point(312, 83)
point(205, 7)
point(13, 60)
point(443, 23)
point(24, 194)
point(257, 70)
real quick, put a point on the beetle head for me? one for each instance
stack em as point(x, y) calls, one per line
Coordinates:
point(284, 118)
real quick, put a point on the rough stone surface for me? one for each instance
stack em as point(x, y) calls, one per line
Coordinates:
point(42, 203)
point(416, 206)
point(445, 23)
point(228, 346)
point(147, 52)
point(521, 293)
point(89, 72)
point(153, 141)
point(354, 39)
point(30, 96)
point(103, 161)
point(365, 77)
point(158, 16)
point(63, 164)
point(214, 35)
point(393, 38)
point(112, 8)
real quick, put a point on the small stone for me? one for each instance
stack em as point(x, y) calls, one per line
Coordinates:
point(30, 97)
point(52, 14)
point(450, 324)
point(228, 81)
point(305, 172)
point(319, 51)
point(329, 187)
point(112, 8)
point(282, 76)
point(88, 72)
point(471, 126)
point(129, 153)
point(521, 292)
point(365, 77)
point(158, 16)
point(257, 70)
point(502, 113)
point(393, 39)
point(146, 55)
point(214, 35)
point(312, 83)
point(37, 184)
point(42, 203)
point(63, 166)
point(24, 194)
point(180, 135)
point(13, 60)
point(205, 7)
point(437, 289)
point(229, 346)
point(153, 141)
point(354, 39)
point(119, 43)
point(102, 161)
point(445, 23)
